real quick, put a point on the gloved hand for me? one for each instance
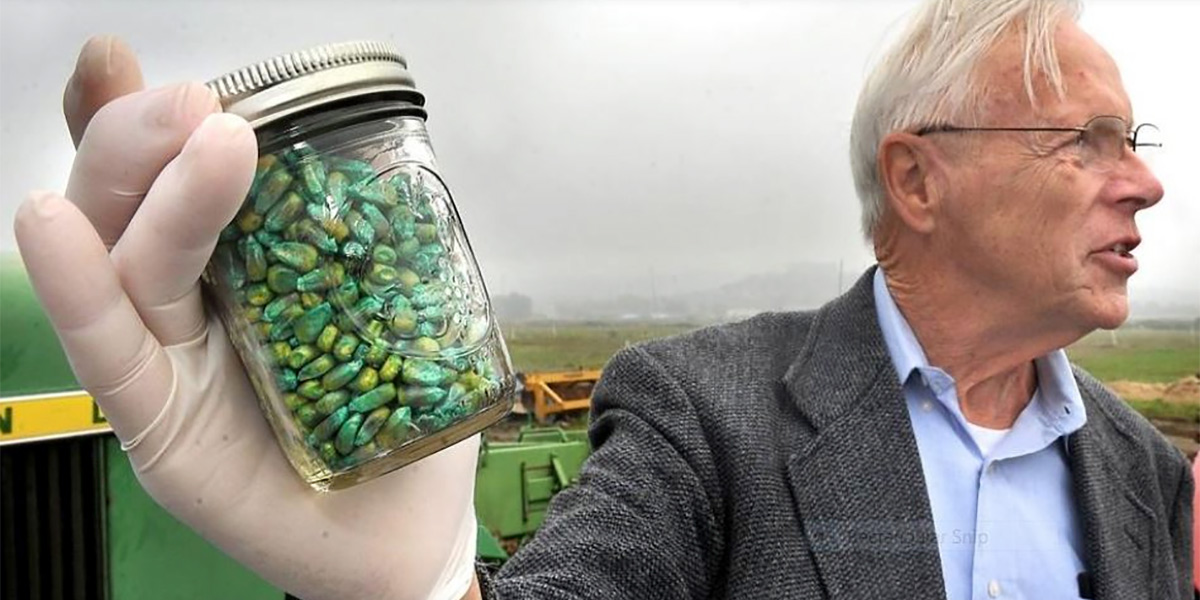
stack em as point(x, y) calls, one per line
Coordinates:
point(157, 174)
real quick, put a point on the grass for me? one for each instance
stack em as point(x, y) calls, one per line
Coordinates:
point(1169, 411)
point(560, 346)
point(1151, 356)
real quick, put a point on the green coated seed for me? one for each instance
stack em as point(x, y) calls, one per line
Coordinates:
point(227, 263)
point(343, 348)
point(425, 295)
point(336, 185)
point(272, 189)
point(409, 280)
point(252, 314)
point(404, 322)
point(362, 231)
point(280, 351)
point(327, 338)
point(390, 368)
point(265, 163)
point(230, 233)
point(371, 425)
point(381, 274)
point(330, 425)
point(397, 427)
point(426, 344)
point(299, 256)
point(345, 295)
point(318, 367)
point(366, 380)
point(248, 221)
point(422, 372)
point(258, 294)
point(310, 300)
point(313, 177)
point(341, 375)
point(266, 238)
point(311, 389)
point(430, 329)
point(374, 329)
point(308, 231)
point(355, 170)
point(284, 212)
point(322, 278)
point(302, 355)
point(347, 433)
point(375, 289)
point(281, 279)
point(328, 453)
point(362, 453)
point(354, 251)
point(369, 190)
point(376, 219)
point(427, 233)
point(310, 324)
point(286, 378)
point(307, 415)
point(293, 401)
point(376, 355)
point(426, 265)
point(373, 399)
point(408, 248)
point(332, 401)
point(366, 308)
point(383, 254)
point(404, 229)
point(279, 307)
point(279, 331)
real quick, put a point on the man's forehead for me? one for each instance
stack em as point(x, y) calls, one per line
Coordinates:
point(1091, 80)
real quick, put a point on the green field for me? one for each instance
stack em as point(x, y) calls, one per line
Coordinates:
point(1147, 355)
point(563, 346)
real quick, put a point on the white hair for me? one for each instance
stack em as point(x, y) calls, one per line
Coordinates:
point(928, 76)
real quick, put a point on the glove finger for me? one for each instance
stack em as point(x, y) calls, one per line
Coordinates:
point(171, 237)
point(141, 133)
point(106, 70)
point(111, 352)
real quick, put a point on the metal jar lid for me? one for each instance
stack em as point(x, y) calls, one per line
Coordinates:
point(299, 81)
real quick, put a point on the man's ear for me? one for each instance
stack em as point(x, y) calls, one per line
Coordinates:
point(907, 171)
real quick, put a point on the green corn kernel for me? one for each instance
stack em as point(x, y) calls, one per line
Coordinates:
point(335, 185)
point(346, 434)
point(425, 265)
point(426, 232)
point(328, 453)
point(429, 329)
point(343, 348)
point(332, 401)
point(426, 423)
point(366, 308)
point(345, 295)
point(366, 380)
point(286, 378)
point(354, 251)
point(337, 229)
point(266, 238)
point(360, 353)
point(277, 310)
point(281, 279)
point(371, 425)
point(280, 351)
point(310, 324)
point(261, 169)
point(382, 274)
point(301, 356)
point(376, 355)
point(456, 394)
point(361, 454)
point(383, 254)
point(322, 278)
point(299, 256)
point(309, 232)
point(341, 375)
point(390, 369)
point(433, 314)
point(373, 399)
point(318, 367)
point(368, 189)
point(404, 322)
point(326, 339)
point(310, 300)
point(400, 182)
point(313, 178)
point(230, 233)
point(425, 295)
point(283, 213)
point(278, 331)
point(355, 170)
point(252, 314)
point(293, 401)
point(422, 372)
point(307, 415)
point(408, 249)
point(374, 329)
point(378, 222)
point(330, 425)
point(374, 289)
point(426, 345)
point(397, 428)
point(435, 251)
point(311, 389)
point(258, 294)
point(248, 221)
point(404, 230)
point(408, 280)
point(229, 267)
point(362, 231)
point(272, 189)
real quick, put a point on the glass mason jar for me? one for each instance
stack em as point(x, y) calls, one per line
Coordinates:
point(346, 281)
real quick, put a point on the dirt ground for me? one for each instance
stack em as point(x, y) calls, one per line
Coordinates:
point(1182, 391)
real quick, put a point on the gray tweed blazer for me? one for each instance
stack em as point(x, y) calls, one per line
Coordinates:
point(774, 458)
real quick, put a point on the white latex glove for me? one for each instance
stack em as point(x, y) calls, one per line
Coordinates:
point(157, 175)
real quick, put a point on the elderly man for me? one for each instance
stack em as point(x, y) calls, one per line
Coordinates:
point(923, 436)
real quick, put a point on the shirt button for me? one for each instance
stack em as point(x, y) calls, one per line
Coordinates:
point(993, 589)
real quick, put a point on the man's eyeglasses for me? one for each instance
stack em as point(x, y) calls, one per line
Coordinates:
point(1102, 140)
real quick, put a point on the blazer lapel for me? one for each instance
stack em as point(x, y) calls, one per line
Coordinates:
point(857, 481)
point(1118, 525)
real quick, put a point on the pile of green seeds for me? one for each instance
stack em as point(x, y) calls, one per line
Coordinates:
point(343, 277)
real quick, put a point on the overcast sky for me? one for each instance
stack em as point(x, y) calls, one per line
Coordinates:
point(592, 146)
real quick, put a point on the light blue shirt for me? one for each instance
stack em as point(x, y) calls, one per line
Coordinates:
point(1006, 520)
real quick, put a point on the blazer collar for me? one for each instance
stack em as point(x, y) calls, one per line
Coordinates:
point(857, 481)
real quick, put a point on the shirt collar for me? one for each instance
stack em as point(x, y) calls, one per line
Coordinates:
point(1057, 402)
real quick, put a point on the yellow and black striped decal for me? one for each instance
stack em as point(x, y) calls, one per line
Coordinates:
point(48, 416)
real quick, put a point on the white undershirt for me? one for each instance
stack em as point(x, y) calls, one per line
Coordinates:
point(986, 438)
